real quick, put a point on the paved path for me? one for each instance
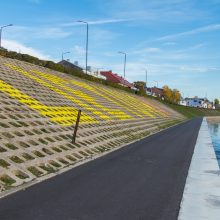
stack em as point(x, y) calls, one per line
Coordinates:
point(142, 181)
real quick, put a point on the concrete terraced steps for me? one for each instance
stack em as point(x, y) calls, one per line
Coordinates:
point(38, 110)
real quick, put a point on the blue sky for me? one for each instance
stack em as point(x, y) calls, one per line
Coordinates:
point(177, 41)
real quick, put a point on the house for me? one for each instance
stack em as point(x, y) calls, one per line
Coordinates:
point(198, 102)
point(154, 91)
point(75, 65)
point(115, 78)
point(183, 102)
point(70, 65)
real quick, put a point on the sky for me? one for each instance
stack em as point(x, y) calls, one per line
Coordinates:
point(175, 41)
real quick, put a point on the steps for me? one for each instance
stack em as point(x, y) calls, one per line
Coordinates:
point(38, 111)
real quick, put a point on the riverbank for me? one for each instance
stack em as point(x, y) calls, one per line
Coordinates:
point(213, 119)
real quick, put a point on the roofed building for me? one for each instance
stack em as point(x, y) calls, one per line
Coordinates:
point(70, 65)
point(115, 78)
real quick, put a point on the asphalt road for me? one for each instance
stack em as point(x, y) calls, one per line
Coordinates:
point(143, 181)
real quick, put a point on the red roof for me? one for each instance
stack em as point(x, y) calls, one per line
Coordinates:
point(113, 77)
point(156, 91)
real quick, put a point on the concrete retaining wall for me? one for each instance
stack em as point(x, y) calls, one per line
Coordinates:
point(201, 198)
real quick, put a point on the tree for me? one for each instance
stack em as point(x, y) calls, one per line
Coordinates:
point(140, 85)
point(216, 102)
point(171, 95)
point(176, 95)
point(167, 92)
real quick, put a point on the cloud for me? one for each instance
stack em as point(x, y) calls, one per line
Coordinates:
point(78, 50)
point(146, 50)
point(50, 33)
point(209, 28)
point(97, 22)
point(41, 32)
point(19, 47)
point(170, 43)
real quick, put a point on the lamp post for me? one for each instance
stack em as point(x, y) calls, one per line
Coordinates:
point(87, 40)
point(1, 32)
point(64, 53)
point(124, 62)
point(98, 69)
point(146, 79)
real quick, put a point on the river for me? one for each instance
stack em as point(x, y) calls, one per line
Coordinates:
point(215, 134)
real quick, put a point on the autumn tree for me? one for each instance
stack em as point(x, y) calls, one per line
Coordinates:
point(167, 93)
point(171, 95)
point(176, 96)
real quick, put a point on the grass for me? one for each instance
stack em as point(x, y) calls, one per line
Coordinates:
point(57, 149)
point(38, 153)
point(16, 159)
point(7, 180)
point(3, 125)
point(70, 158)
point(47, 168)
point(21, 175)
point(2, 150)
point(35, 171)
point(4, 163)
point(191, 112)
point(169, 124)
point(55, 164)
point(27, 156)
point(42, 141)
point(11, 146)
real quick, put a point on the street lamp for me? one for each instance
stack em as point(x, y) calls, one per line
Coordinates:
point(98, 69)
point(124, 62)
point(1, 33)
point(64, 53)
point(87, 39)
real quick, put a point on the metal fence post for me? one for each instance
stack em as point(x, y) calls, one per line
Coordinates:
point(76, 126)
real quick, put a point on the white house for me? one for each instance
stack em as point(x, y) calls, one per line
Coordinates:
point(198, 102)
point(183, 102)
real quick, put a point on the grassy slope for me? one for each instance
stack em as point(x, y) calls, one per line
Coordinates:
point(191, 112)
point(186, 111)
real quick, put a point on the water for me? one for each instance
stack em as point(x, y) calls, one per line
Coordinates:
point(215, 134)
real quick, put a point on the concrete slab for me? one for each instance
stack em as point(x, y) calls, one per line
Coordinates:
point(201, 197)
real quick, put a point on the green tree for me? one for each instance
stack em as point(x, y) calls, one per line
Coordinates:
point(141, 86)
point(216, 102)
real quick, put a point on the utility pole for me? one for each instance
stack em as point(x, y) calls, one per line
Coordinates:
point(125, 60)
point(87, 41)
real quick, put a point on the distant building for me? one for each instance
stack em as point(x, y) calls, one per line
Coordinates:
point(70, 65)
point(115, 78)
point(154, 91)
point(199, 102)
point(75, 65)
point(183, 102)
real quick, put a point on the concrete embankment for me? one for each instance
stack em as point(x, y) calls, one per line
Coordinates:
point(201, 198)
